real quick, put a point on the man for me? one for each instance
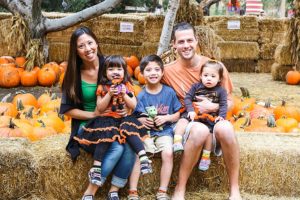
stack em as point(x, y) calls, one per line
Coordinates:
point(180, 75)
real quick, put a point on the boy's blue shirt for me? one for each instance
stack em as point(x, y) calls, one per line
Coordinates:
point(166, 102)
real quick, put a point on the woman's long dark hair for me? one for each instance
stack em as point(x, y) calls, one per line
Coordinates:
point(70, 84)
point(113, 61)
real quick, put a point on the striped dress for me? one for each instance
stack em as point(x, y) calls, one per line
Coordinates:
point(254, 7)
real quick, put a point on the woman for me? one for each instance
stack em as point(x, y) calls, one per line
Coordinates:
point(79, 102)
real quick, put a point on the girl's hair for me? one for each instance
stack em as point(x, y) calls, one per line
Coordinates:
point(151, 58)
point(114, 61)
point(214, 64)
point(71, 84)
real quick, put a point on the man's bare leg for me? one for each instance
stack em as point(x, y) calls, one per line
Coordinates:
point(192, 149)
point(231, 153)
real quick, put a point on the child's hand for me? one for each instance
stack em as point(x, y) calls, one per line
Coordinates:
point(161, 119)
point(147, 122)
point(191, 115)
point(123, 89)
point(113, 91)
point(219, 118)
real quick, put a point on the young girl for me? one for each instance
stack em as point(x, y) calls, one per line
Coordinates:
point(114, 93)
point(209, 88)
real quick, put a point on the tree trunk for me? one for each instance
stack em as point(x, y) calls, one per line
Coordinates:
point(282, 8)
point(169, 21)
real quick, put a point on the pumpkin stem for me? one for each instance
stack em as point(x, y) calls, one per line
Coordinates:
point(268, 103)
point(271, 121)
point(283, 102)
point(247, 121)
point(20, 105)
point(42, 123)
point(29, 113)
point(5, 98)
point(245, 92)
point(11, 124)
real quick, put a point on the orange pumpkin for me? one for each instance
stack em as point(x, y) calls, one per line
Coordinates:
point(29, 78)
point(8, 109)
point(137, 71)
point(130, 71)
point(26, 98)
point(41, 131)
point(9, 77)
point(43, 99)
point(55, 67)
point(6, 59)
point(132, 61)
point(137, 89)
point(46, 76)
point(20, 61)
point(287, 123)
point(141, 79)
point(292, 77)
point(286, 111)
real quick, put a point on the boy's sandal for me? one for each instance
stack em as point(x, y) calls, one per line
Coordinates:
point(162, 195)
point(133, 195)
point(88, 197)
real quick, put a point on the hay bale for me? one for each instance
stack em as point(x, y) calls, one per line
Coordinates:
point(207, 41)
point(269, 164)
point(238, 50)
point(279, 71)
point(240, 65)
point(267, 50)
point(148, 48)
point(248, 32)
point(58, 51)
point(125, 50)
point(272, 30)
point(283, 55)
point(17, 174)
point(264, 66)
point(57, 176)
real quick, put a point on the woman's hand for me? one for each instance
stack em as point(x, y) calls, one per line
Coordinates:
point(204, 105)
point(147, 122)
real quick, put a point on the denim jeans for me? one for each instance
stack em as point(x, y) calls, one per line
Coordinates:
point(118, 159)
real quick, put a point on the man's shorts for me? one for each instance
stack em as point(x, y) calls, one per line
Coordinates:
point(158, 144)
point(216, 145)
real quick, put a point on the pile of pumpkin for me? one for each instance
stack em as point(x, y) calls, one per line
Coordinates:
point(247, 115)
point(28, 117)
point(14, 73)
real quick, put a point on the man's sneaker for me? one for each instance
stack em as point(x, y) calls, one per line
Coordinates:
point(146, 167)
point(177, 147)
point(95, 176)
point(204, 164)
point(113, 196)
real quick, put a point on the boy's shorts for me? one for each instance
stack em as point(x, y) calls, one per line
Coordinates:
point(216, 145)
point(158, 144)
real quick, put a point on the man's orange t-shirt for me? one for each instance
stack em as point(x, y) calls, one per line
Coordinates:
point(181, 78)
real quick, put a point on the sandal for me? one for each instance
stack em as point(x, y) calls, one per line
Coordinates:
point(162, 195)
point(88, 197)
point(133, 195)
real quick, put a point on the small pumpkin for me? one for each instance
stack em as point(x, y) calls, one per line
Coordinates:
point(9, 77)
point(132, 61)
point(26, 98)
point(46, 76)
point(292, 77)
point(29, 78)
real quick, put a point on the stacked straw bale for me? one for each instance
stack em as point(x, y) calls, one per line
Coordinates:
point(283, 62)
point(17, 175)
point(248, 32)
point(208, 41)
point(271, 32)
point(43, 170)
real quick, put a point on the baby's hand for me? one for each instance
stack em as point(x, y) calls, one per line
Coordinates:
point(191, 115)
point(113, 91)
point(161, 119)
point(219, 118)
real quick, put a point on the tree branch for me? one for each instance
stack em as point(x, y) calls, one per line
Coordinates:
point(15, 6)
point(76, 18)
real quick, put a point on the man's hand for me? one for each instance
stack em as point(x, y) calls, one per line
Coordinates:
point(204, 105)
point(191, 115)
point(147, 122)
